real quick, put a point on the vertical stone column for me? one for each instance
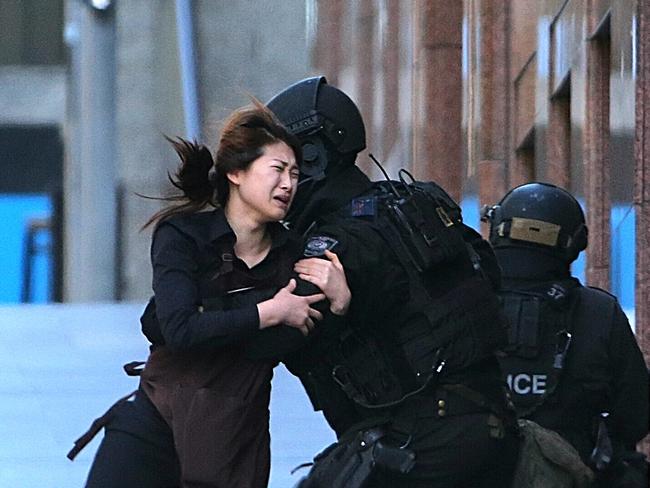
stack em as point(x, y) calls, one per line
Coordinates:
point(522, 169)
point(494, 100)
point(391, 70)
point(365, 50)
point(596, 149)
point(326, 52)
point(559, 141)
point(642, 182)
point(642, 187)
point(437, 92)
point(558, 135)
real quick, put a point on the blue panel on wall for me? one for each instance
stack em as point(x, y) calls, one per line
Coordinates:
point(16, 210)
point(579, 266)
point(471, 211)
point(623, 262)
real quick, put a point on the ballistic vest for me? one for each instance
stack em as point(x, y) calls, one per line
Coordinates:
point(540, 324)
point(450, 327)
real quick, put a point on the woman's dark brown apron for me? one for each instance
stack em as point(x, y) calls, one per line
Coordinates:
point(217, 401)
point(216, 404)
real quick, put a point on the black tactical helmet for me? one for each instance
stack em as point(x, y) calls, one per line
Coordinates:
point(540, 216)
point(326, 121)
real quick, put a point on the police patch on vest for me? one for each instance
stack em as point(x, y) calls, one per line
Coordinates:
point(317, 245)
point(364, 207)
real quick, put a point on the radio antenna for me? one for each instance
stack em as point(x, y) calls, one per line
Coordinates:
point(374, 160)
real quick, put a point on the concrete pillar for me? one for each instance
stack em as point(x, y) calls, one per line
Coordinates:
point(90, 262)
point(493, 98)
point(149, 104)
point(437, 92)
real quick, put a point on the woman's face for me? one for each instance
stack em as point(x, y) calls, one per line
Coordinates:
point(267, 187)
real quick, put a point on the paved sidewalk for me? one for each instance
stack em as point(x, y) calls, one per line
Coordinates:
point(60, 367)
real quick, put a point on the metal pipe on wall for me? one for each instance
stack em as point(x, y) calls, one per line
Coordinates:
point(187, 55)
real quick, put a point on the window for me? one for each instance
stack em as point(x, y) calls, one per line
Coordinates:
point(32, 32)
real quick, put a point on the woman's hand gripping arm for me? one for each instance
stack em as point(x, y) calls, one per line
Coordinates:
point(329, 276)
point(285, 308)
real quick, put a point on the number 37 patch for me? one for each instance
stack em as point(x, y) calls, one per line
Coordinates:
point(317, 245)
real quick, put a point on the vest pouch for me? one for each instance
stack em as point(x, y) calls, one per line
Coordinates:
point(427, 229)
point(523, 313)
point(468, 319)
point(363, 373)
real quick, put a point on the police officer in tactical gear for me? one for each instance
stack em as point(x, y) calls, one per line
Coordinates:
point(572, 361)
point(408, 379)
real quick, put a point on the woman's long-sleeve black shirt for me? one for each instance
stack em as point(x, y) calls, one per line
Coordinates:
point(193, 260)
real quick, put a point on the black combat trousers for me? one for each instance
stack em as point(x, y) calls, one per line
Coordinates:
point(137, 450)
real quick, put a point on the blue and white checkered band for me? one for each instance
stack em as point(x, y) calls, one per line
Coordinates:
point(317, 245)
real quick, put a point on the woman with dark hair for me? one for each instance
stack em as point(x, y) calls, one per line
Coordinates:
point(222, 264)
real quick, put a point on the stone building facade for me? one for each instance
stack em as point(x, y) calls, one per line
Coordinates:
point(556, 91)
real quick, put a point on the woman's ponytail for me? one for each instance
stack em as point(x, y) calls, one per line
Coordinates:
point(192, 178)
point(192, 175)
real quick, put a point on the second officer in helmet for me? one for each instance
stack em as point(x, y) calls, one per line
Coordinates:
point(572, 361)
